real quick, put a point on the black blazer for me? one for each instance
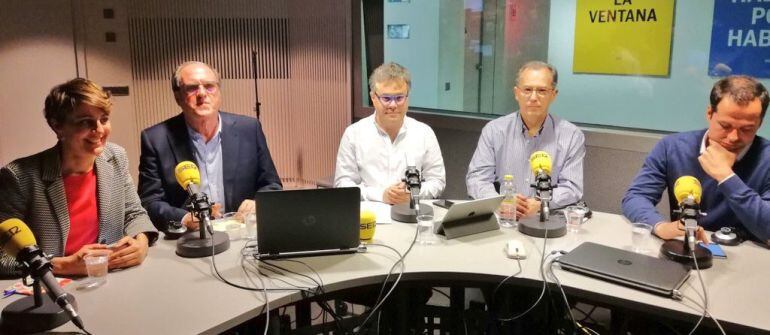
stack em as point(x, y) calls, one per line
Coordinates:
point(246, 163)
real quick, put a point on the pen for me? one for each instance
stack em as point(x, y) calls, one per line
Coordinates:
point(8, 293)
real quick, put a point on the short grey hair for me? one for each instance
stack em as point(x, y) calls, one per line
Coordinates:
point(176, 80)
point(388, 72)
point(538, 65)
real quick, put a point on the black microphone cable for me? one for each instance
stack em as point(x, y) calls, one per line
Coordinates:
point(380, 298)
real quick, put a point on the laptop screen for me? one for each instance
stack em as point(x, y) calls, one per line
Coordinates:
point(307, 220)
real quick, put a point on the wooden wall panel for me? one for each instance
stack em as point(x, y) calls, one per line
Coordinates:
point(303, 54)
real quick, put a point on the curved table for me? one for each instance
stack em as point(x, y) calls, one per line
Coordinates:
point(168, 294)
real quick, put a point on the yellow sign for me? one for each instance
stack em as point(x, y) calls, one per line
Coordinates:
point(623, 36)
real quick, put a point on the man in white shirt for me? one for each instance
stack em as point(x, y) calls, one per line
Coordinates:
point(374, 152)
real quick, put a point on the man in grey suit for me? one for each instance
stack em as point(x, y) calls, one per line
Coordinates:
point(77, 197)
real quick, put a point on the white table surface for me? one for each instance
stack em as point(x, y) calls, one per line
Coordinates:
point(168, 294)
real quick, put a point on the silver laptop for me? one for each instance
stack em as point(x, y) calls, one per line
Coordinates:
point(659, 276)
point(470, 217)
point(310, 222)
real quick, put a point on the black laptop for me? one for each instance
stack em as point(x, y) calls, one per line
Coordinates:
point(310, 222)
point(659, 276)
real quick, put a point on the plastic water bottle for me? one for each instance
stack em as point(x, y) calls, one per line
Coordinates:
point(507, 213)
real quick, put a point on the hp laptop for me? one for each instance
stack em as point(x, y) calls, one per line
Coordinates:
point(628, 268)
point(308, 222)
point(470, 217)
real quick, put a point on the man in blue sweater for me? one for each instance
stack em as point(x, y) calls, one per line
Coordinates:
point(731, 162)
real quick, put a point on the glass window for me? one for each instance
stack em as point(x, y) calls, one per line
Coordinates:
point(464, 54)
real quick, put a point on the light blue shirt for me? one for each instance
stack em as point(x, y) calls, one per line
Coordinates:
point(505, 146)
point(209, 160)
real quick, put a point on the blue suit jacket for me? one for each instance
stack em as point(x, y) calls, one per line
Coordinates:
point(246, 163)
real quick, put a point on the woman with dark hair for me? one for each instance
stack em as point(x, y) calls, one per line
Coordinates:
point(77, 196)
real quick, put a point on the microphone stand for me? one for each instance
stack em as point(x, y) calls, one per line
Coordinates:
point(196, 245)
point(255, 71)
point(37, 313)
point(408, 212)
point(682, 251)
point(545, 224)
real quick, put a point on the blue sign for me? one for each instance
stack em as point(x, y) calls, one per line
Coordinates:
point(740, 38)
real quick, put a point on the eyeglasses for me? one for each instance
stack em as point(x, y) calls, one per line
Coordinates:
point(387, 99)
point(540, 91)
point(195, 88)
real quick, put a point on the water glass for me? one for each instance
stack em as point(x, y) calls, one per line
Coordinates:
point(233, 231)
point(425, 234)
point(640, 237)
point(96, 267)
point(251, 225)
point(574, 215)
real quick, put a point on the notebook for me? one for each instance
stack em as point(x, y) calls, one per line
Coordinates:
point(309, 222)
point(655, 275)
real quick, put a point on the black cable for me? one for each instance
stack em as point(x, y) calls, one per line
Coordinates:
point(246, 271)
point(440, 292)
point(576, 324)
point(400, 260)
point(380, 299)
point(332, 312)
point(542, 291)
point(277, 270)
point(494, 292)
point(259, 271)
point(319, 300)
point(587, 316)
point(214, 265)
point(219, 276)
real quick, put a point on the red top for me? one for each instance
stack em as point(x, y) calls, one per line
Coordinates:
point(81, 205)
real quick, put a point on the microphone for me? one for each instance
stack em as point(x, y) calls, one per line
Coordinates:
point(543, 226)
point(687, 187)
point(18, 241)
point(688, 191)
point(413, 180)
point(540, 164)
point(188, 176)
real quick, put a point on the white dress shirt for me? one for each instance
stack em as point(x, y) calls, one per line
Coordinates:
point(368, 159)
